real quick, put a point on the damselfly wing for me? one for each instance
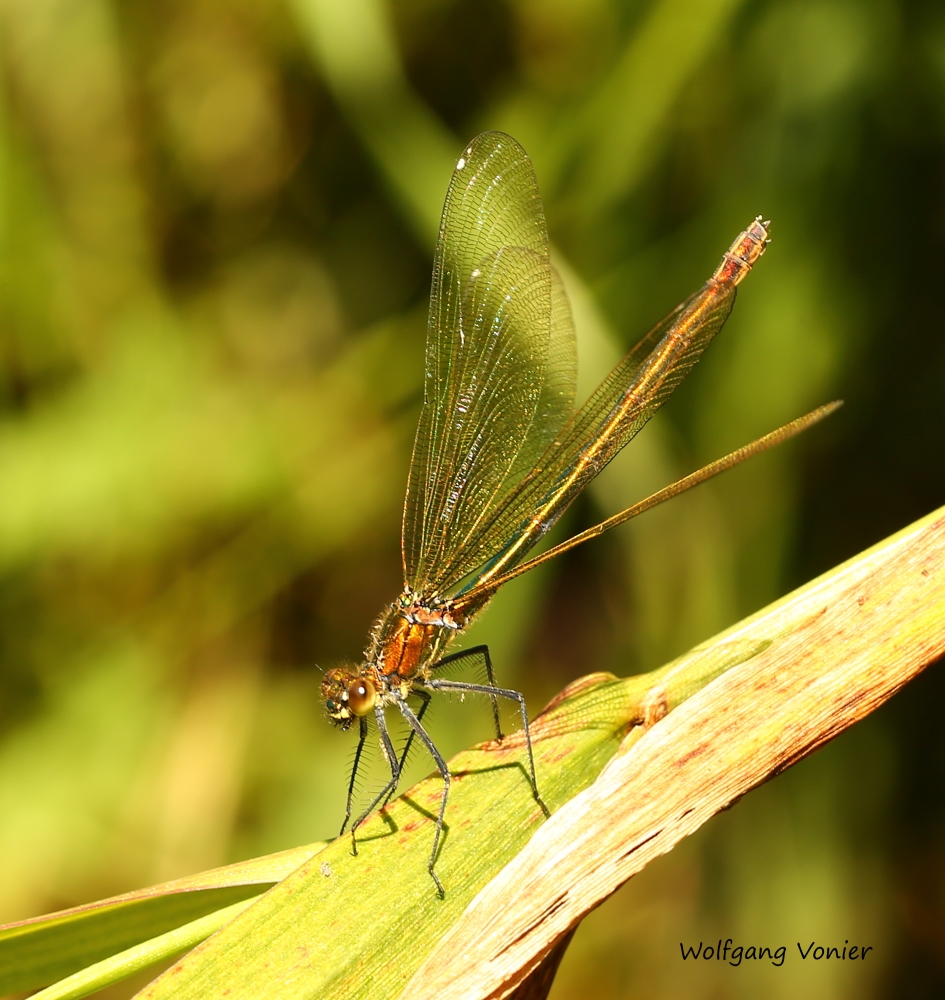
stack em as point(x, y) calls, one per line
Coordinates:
point(500, 451)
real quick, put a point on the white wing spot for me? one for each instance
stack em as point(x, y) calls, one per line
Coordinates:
point(461, 163)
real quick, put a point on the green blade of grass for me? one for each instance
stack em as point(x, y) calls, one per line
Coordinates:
point(45, 949)
point(140, 956)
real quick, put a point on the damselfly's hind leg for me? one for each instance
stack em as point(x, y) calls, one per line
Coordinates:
point(473, 653)
point(415, 724)
point(388, 747)
point(438, 684)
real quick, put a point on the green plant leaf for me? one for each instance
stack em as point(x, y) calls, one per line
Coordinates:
point(140, 956)
point(44, 949)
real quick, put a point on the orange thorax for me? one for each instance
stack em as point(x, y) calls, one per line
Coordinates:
point(409, 638)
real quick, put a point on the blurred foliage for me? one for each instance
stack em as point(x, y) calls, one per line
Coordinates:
point(216, 224)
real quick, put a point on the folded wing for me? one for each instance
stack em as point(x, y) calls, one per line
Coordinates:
point(500, 369)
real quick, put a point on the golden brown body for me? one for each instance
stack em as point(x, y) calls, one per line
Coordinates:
point(500, 452)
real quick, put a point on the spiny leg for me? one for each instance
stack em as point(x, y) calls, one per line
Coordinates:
point(414, 722)
point(362, 736)
point(473, 651)
point(388, 747)
point(438, 684)
point(424, 696)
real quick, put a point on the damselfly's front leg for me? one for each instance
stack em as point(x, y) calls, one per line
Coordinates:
point(362, 737)
point(388, 747)
point(424, 696)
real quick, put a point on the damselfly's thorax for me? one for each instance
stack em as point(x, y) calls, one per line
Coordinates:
point(410, 636)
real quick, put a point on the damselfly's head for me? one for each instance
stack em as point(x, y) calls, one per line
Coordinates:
point(348, 696)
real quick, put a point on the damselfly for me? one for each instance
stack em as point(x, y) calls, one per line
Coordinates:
point(500, 451)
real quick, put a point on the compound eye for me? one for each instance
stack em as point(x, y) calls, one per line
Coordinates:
point(361, 696)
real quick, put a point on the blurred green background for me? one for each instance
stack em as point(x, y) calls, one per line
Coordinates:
point(216, 229)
